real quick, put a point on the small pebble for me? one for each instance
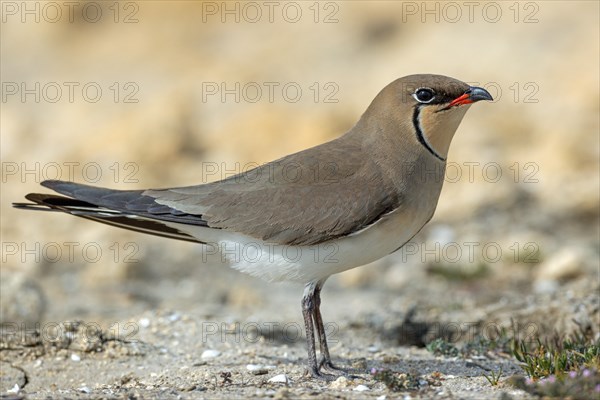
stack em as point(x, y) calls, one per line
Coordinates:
point(281, 378)
point(206, 354)
point(144, 322)
point(360, 363)
point(390, 359)
point(188, 387)
point(174, 317)
point(565, 264)
point(373, 349)
point(259, 369)
point(281, 394)
point(85, 389)
point(256, 367)
point(15, 389)
point(75, 357)
point(361, 388)
point(340, 383)
point(545, 286)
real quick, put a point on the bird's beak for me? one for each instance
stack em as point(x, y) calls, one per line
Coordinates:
point(472, 95)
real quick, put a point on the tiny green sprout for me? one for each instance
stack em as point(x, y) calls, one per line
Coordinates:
point(493, 378)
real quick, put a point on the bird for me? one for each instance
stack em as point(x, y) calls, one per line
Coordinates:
point(306, 216)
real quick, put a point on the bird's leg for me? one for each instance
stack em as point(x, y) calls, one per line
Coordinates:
point(318, 321)
point(324, 348)
point(308, 312)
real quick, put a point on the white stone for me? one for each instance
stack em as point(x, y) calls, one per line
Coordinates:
point(15, 389)
point(361, 388)
point(257, 367)
point(373, 349)
point(566, 264)
point(281, 378)
point(206, 354)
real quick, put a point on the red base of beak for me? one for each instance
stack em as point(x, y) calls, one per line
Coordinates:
point(459, 101)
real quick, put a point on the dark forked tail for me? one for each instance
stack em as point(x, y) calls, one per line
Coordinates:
point(128, 209)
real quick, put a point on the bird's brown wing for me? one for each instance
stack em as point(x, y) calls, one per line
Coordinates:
point(335, 190)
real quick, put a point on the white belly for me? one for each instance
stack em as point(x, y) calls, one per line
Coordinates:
point(311, 263)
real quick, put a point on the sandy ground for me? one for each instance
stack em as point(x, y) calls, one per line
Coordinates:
point(169, 354)
point(89, 311)
point(230, 346)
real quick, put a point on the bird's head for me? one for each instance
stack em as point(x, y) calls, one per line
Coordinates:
point(429, 107)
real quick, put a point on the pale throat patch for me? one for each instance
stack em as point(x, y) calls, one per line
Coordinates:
point(438, 128)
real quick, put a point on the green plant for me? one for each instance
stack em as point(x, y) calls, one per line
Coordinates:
point(493, 378)
point(560, 367)
point(557, 356)
point(576, 385)
point(442, 347)
point(481, 344)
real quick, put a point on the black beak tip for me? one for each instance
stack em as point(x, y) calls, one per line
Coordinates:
point(477, 93)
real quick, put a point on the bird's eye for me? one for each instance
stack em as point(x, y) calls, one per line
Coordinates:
point(424, 95)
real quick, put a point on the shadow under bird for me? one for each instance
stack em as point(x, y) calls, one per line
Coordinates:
point(311, 214)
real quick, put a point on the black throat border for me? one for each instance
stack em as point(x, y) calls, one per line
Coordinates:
point(419, 132)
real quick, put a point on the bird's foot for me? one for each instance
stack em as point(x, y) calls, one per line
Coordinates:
point(327, 371)
point(317, 374)
point(330, 368)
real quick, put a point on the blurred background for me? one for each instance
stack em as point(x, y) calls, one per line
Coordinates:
point(134, 95)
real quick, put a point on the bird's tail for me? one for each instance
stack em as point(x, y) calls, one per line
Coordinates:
point(137, 221)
